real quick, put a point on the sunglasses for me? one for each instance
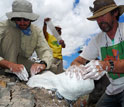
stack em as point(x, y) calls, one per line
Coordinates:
point(20, 19)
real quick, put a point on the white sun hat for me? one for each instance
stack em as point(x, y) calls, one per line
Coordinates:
point(22, 9)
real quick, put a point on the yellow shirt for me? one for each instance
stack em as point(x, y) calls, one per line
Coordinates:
point(56, 48)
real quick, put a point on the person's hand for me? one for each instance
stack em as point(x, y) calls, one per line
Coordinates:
point(23, 75)
point(36, 68)
point(19, 70)
point(47, 19)
point(16, 67)
point(93, 70)
point(75, 70)
point(62, 43)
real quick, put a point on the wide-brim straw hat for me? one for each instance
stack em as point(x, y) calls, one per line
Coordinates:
point(102, 7)
point(22, 9)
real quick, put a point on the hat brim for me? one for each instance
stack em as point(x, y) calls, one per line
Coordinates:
point(100, 13)
point(31, 16)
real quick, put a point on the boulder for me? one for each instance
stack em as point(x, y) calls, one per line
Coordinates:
point(18, 94)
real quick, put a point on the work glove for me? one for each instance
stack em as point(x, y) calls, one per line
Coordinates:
point(23, 74)
point(36, 68)
point(93, 70)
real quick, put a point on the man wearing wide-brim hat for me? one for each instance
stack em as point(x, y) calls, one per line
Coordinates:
point(19, 39)
point(109, 45)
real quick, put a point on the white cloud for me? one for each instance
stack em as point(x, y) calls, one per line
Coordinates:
point(75, 27)
point(65, 63)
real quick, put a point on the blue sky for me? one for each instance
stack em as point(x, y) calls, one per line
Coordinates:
point(76, 2)
point(70, 58)
point(121, 19)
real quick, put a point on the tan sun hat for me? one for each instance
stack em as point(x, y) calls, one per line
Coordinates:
point(23, 9)
point(102, 7)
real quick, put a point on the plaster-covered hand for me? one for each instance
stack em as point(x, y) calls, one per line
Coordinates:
point(36, 68)
point(93, 70)
point(62, 43)
point(23, 74)
point(75, 70)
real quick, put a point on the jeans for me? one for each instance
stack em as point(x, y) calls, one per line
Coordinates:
point(111, 100)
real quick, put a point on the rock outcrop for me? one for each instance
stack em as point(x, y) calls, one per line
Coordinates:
point(18, 94)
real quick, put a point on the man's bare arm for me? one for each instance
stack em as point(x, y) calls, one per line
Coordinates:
point(11, 66)
point(79, 60)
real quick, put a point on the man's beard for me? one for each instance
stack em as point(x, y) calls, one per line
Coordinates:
point(106, 27)
point(24, 26)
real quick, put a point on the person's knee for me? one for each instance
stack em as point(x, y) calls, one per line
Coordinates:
point(53, 68)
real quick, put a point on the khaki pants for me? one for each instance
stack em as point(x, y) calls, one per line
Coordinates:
point(10, 46)
point(57, 66)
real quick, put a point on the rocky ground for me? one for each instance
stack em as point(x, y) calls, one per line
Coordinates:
point(14, 93)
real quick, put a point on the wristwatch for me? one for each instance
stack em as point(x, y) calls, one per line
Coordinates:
point(111, 65)
point(43, 62)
